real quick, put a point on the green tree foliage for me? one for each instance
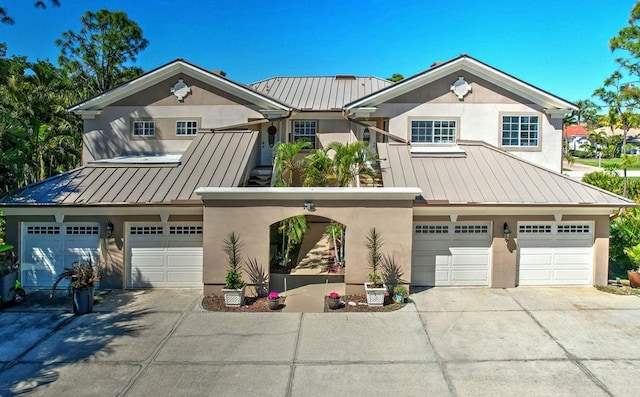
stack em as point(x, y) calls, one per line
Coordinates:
point(625, 233)
point(6, 18)
point(587, 113)
point(100, 54)
point(38, 138)
point(396, 77)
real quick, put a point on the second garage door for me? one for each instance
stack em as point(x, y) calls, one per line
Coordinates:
point(450, 254)
point(555, 253)
point(165, 255)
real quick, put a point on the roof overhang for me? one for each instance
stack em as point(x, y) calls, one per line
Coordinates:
point(92, 106)
point(308, 193)
point(552, 104)
point(516, 209)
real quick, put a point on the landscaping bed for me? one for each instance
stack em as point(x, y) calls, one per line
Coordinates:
point(252, 304)
point(619, 290)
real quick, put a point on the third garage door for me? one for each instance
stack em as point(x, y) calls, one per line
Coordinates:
point(450, 254)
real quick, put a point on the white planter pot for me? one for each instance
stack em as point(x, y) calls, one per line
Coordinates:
point(375, 296)
point(233, 297)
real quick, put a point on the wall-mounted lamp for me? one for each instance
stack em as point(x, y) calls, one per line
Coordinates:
point(366, 135)
point(506, 231)
point(309, 206)
point(108, 231)
point(272, 131)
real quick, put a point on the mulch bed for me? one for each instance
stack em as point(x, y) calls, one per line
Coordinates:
point(215, 303)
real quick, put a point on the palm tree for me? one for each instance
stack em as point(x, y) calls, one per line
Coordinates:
point(351, 161)
point(287, 161)
point(318, 169)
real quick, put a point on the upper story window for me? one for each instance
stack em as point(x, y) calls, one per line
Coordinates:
point(521, 131)
point(305, 129)
point(144, 128)
point(186, 127)
point(433, 131)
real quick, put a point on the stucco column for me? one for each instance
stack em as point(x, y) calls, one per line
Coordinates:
point(505, 255)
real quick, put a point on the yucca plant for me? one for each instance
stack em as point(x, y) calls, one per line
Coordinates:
point(232, 248)
point(374, 245)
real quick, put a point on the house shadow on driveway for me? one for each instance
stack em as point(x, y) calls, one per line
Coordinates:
point(42, 343)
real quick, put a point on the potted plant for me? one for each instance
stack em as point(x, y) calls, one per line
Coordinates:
point(375, 288)
point(333, 300)
point(273, 300)
point(10, 290)
point(234, 287)
point(634, 274)
point(82, 278)
point(400, 293)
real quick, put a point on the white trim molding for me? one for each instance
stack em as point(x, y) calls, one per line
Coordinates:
point(310, 193)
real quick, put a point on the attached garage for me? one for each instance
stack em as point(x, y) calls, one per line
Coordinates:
point(165, 255)
point(451, 254)
point(47, 248)
point(555, 253)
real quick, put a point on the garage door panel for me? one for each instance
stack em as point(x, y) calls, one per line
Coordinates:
point(469, 275)
point(185, 278)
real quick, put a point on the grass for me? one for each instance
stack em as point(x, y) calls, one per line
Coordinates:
point(597, 162)
point(623, 290)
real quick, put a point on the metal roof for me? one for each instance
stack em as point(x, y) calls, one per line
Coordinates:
point(218, 159)
point(319, 93)
point(485, 175)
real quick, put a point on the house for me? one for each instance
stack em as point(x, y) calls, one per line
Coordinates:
point(471, 187)
point(576, 137)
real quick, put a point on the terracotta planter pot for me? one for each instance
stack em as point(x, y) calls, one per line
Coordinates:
point(634, 279)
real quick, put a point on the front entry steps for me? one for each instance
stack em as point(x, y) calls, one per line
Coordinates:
point(260, 176)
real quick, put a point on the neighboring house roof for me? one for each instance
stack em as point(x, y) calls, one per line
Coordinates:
point(548, 101)
point(575, 130)
point(320, 93)
point(217, 159)
point(635, 132)
point(483, 175)
point(157, 75)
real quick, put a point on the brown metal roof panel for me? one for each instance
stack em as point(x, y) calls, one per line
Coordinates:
point(385, 169)
point(127, 181)
point(147, 180)
point(85, 182)
point(238, 166)
point(113, 176)
point(474, 181)
point(128, 194)
point(223, 154)
point(193, 164)
point(149, 194)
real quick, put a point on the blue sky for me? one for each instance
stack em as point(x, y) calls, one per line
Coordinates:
point(560, 46)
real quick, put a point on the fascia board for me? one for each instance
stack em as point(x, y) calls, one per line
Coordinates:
point(103, 210)
point(157, 76)
point(489, 210)
point(312, 193)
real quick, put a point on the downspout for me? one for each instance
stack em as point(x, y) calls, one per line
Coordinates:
point(381, 131)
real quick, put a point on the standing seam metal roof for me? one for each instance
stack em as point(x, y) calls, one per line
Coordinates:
point(486, 175)
point(217, 159)
point(319, 93)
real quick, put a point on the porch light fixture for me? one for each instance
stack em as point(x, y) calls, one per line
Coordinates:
point(506, 231)
point(366, 135)
point(309, 206)
point(108, 231)
point(272, 130)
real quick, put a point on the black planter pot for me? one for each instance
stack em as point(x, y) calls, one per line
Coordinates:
point(83, 300)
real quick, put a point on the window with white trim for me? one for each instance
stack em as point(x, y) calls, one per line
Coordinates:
point(43, 229)
point(574, 229)
point(186, 127)
point(471, 229)
point(305, 129)
point(185, 230)
point(146, 230)
point(431, 229)
point(534, 229)
point(433, 131)
point(144, 128)
point(520, 131)
point(83, 230)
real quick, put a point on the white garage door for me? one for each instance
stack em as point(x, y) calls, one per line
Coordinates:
point(555, 253)
point(47, 248)
point(450, 254)
point(165, 255)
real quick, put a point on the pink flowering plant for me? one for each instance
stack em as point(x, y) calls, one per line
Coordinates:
point(274, 295)
point(334, 295)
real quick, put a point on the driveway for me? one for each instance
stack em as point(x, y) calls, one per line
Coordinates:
point(451, 341)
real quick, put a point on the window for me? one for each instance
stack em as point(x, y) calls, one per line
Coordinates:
point(433, 131)
point(144, 128)
point(305, 129)
point(186, 128)
point(520, 131)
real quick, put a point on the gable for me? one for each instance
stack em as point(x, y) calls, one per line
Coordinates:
point(201, 94)
point(439, 91)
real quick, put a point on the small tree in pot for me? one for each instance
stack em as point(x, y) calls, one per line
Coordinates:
point(634, 275)
point(82, 278)
point(375, 288)
point(234, 288)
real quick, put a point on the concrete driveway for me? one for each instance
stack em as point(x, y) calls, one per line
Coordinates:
point(453, 341)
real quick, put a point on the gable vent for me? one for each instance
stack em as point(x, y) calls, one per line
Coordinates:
point(345, 77)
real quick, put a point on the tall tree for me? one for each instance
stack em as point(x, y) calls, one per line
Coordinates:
point(100, 55)
point(587, 113)
point(396, 77)
point(6, 18)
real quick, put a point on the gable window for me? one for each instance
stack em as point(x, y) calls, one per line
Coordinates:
point(305, 129)
point(144, 128)
point(433, 131)
point(186, 127)
point(521, 131)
